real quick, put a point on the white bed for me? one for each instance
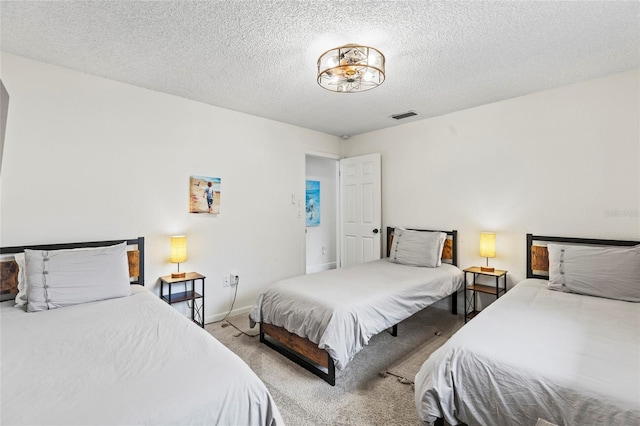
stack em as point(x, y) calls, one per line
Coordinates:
point(536, 353)
point(122, 361)
point(338, 311)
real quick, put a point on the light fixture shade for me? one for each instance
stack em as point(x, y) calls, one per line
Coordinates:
point(487, 244)
point(178, 249)
point(351, 68)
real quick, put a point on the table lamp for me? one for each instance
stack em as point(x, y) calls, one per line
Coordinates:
point(178, 253)
point(487, 249)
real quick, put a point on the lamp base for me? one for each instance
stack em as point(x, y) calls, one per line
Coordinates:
point(487, 269)
point(178, 274)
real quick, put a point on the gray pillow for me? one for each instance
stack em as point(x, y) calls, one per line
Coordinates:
point(417, 248)
point(611, 272)
point(59, 278)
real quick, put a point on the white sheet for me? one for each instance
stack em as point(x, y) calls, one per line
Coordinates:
point(342, 309)
point(535, 353)
point(127, 361)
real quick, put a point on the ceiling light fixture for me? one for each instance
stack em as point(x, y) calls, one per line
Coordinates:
point(351, 68)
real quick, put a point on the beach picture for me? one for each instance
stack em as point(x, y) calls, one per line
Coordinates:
point(313, 203)
point(204, 195)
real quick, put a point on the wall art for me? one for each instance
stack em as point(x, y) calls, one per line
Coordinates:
point(313, 203)
point(204, 195)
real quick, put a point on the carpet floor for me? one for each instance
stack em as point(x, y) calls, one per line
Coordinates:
point(374, 389)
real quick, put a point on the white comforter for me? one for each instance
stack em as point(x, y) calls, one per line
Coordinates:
point(127, 361)
point(536, 353)
point(342, 309)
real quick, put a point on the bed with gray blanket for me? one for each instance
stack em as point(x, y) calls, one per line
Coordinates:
point(562, 346)
point(91, 347)
point(322, 320)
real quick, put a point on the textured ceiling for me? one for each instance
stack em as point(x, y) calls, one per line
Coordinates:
point(259, 57)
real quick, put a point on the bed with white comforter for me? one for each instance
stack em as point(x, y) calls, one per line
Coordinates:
point(124, 361)
point(566, 358)
point(341, 309)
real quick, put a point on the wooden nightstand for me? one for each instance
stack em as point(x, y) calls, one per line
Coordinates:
point(189, 294)
point(472, 289)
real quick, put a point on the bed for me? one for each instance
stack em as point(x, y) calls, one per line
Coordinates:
point(322, 320)
point(562, 346)
point(128, 358)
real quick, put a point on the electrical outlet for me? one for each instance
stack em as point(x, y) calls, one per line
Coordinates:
point(226, 280)
point(234, 280)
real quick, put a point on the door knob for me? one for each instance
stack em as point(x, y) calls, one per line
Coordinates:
point(375, 231)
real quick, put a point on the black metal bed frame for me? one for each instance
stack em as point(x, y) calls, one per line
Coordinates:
point(330, 375)
point(565, 240)
point(139, 242)
point(569, 240)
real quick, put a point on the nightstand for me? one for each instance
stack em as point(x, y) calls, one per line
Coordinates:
point(189, 294)
point(472, 289)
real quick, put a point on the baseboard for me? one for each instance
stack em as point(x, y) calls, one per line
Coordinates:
point(319, 268)
point(219, 317)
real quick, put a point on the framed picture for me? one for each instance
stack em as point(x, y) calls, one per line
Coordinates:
point(312, 203)
point(204, 195)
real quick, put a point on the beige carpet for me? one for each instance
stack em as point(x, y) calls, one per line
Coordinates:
point(365, 394)
point(241, 323)
point(408, 366)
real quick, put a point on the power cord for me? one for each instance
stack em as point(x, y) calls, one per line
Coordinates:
point(237, 281)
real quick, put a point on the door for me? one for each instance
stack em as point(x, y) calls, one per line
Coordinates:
point(361, 211)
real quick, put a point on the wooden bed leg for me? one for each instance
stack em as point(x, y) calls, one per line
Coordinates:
point(439, 422)
point(394, 330)
point(454, 303)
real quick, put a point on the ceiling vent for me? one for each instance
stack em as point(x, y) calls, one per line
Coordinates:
point(404, 115)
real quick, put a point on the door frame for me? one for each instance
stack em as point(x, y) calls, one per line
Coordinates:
point(337, 158)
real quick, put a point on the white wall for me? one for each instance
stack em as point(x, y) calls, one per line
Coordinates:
point(322, 240)
point(4, 109)
point(560, 162)
point(88, 158)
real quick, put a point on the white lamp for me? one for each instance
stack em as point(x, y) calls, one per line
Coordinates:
point(178, 253)
point(487, 248)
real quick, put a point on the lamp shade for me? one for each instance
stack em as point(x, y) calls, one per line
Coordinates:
point(178, 249)
point(487, 244)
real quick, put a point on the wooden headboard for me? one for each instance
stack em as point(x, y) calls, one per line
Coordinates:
point(9, 267)
point(449, 252)
point(538, 255)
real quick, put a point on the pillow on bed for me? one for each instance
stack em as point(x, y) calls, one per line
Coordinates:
point(611, 272)
point(417, 248)
point(21, 297)
point(443, 238)
point(59, 278)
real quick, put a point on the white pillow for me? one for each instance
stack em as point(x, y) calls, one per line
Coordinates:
point(21, 297)
point(443, 238)
point(417, 248)
point(611, 272)
point(59, 278)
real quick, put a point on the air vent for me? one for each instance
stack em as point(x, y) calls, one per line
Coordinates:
point(404, 115)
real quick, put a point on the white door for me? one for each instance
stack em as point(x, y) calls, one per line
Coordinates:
point(361, 198)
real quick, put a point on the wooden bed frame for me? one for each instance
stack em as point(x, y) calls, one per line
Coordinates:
point(538, 255)
point(318, 361)
point(9, 267)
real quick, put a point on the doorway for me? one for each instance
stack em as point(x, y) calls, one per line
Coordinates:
point(321, 217)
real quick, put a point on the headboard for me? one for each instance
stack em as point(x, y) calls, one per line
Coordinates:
point(9, 267)
point(449, 252)
point(538, 255)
